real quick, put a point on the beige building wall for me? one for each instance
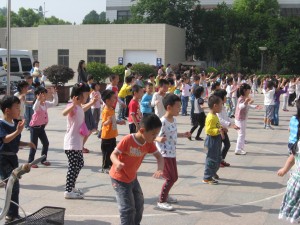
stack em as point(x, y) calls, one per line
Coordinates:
point(167, 41)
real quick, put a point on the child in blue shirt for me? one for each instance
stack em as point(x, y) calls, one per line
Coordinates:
point(10, 140)
point(146, 100)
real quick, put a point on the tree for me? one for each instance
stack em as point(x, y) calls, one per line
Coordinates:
point(270, 7)
point(28, 17)
point(94, 18)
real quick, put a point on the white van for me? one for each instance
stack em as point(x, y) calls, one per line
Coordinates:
point(21, 62)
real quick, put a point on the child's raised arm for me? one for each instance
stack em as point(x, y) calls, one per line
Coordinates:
point(71, 107)
point(288, 165)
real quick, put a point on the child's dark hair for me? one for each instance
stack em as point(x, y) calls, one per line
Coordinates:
point(150, 122)
point(214, 86)
point(196, 77)
point(270, 84)
point(243, 88)
point(78, 89)
point(112, 77)
point(229, 80)
point(298, 108)
point(220, 93)
point(22, 84)
point(107, 94)
point(90, 77)
point(198, 91)
point(151, 75)
point(212, 100)
point(40, 90)
point(136, 88)
point(28, 77)
point(171, 81)
point(93, 85)
point(8, 101)
point(149, 84)
point(170, 100)
point(128, 79)
point(162, 82)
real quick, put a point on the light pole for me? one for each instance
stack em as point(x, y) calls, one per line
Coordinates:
point(8, 47)
point(262, 50)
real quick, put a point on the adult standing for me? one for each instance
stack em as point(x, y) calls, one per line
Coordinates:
point(82, 74)
point(127, 70)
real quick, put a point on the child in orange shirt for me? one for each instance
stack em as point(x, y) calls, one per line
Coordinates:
point(109, 128)
point(127, 158)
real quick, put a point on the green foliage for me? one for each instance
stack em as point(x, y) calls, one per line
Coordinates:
point(100, 71)
point(59, 74)
point(211, 70)
point(94, 18)
point(143, 69)
point(120, 70)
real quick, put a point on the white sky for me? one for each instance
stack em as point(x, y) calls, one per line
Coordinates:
point(69, 10)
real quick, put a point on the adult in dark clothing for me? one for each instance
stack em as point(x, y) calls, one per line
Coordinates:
point(82, 74)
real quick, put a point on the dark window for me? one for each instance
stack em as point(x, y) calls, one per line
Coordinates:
point(26, 64)
point(35, 54)
point(14, 65)
point(63, 57)
point(123, 15)
point(1, 62)
point(96, 56)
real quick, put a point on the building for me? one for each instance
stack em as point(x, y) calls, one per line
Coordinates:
point(106, 43)
point(120, 9)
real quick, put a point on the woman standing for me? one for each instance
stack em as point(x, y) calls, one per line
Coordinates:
point(82, 74)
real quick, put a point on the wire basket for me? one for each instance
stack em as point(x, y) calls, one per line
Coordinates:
point(45, 216)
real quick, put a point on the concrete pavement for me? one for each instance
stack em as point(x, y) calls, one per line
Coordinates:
point(249, 192)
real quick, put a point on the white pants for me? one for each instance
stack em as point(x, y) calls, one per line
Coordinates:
point(285, 101)
point(240, 143)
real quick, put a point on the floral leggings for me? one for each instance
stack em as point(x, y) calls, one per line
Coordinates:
point(76, 162)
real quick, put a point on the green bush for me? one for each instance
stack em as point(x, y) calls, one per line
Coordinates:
point(120, 70)
point(98, 70)
point(59, 74)
point(143, 69)
point(211, 70)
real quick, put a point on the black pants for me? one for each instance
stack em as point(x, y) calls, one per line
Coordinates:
point(226, 146)
point(132, 128)
point(198, 119)
point(291, 98)
point(35, 134)
point(75, 163)
point(127, 101)
point(107, 147)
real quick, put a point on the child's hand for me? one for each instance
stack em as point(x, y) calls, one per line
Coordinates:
point(161, 139)
point(121, 122)
point(109, 119)
point(281, 172)
point(158, 174)
point(39, 96)
point(225, 130)
point(186, 134)
point(31, 145)
point(235, 127)
point(123, 105)
point(259, 107)
point(20, 126)
point(75, 100)
point(119, 166)
point(156, 102)
point(95, 98)
point(251, 101)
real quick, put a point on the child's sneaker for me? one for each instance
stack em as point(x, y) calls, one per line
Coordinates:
point(210, 181)
point(72, 195)
point(165, 206)
point(171, 199)
point(240, 152)
point(77, 190)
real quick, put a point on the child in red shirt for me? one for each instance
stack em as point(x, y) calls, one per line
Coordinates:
point(134, 109)
point(127, 158)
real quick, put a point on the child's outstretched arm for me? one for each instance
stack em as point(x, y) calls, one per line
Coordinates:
point(160, 165)
point(288, 165)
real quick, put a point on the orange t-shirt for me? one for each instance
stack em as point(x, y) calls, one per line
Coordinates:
point(109, 131)
point(131, 154)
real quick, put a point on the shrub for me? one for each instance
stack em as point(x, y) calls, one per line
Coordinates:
point(59, 74)
point(212, 70)
point(100, 71)
point(143, 69)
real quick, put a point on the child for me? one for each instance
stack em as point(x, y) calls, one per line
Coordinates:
point(281, 89)
point(213, 141)
point(123, 93)
point(199, 116)
point(29, 97)
point(22, 88)
point(241, 114)
point(39, 121)
point(134, 109)
point(290, 204)
point(269, 104)
point(127, 158)
point(166, 144)
point(158, 97)
point(294, 128)
point(194, 85)
point(285, 97)
point(229, 91)
point(185, 94)
point(139, 80)
point(73, 140)
point(96, 108)
point(109, 128)
point(114, 81)
point(151, 79)
point(146, 100)
point(10, 140)
point(226, 123)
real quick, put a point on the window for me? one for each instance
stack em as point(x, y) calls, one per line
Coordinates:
point(26, 64)
point(14, 65)
point(35, 54)
point(96, 56)
point(63, 57)
point(123, 15)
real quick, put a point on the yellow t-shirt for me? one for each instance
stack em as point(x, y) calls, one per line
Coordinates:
point(212, 125)
point(125, 91)
point(109, 131)
point(171, 89)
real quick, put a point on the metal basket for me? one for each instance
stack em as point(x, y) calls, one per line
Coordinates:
point(45, 216)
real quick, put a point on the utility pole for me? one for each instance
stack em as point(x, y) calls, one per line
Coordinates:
point(8, 40)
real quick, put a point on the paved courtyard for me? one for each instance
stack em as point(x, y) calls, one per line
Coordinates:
point(249, 192)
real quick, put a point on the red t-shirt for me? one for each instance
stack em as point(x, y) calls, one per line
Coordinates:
point(132, 154)
point(134, 109)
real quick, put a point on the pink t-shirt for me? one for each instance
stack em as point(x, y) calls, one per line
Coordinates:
point(73, 139)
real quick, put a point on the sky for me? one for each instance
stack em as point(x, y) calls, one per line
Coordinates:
point(68, 10)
